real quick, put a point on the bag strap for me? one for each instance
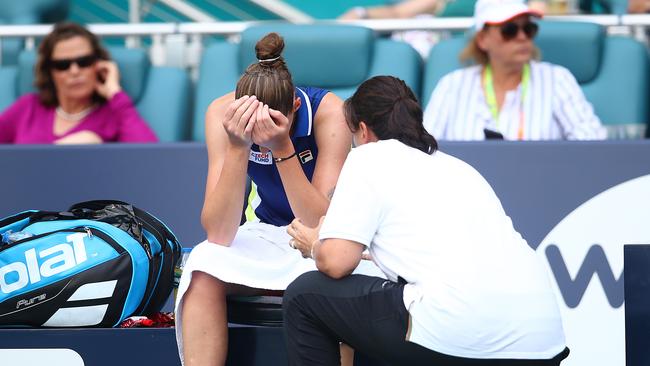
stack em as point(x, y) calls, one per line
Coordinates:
point(152, 220)
point(17, 217)
point(96, 204)
point(51, 216)
point(139, 213)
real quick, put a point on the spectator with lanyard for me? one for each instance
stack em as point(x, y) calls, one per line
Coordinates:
point(463, 288)
point(292, 142)
point(508, 93)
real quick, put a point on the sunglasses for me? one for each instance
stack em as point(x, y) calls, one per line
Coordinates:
point(510, 30)
point(64, 64)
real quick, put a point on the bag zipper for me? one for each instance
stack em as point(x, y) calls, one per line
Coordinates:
point(79, 229)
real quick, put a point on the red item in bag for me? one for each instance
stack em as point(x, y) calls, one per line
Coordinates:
point(157, 320)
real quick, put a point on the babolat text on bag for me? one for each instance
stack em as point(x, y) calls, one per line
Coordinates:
point(93, 265)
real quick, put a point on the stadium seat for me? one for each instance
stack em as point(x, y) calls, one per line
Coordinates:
point(8, 76)
point(458, 8)
point(603, 6)
point(335, 57)
point(161, 94)
point(613, 71)
point(255, 310)
point(27, 12)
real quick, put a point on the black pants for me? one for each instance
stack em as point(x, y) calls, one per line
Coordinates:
point(366, 313)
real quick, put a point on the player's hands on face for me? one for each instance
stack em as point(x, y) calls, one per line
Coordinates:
point(240, 119)
point(271, 128)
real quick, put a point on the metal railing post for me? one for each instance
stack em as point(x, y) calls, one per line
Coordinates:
point(134, 18)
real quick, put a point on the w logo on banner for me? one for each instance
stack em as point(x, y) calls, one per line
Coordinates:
point(595, 263)
point(588, 242)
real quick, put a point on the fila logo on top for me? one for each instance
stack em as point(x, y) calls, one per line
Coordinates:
point(56, 259)
point(306, 156)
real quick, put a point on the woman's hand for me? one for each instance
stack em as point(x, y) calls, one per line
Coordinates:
point(271, 129)
point(108, 75)
point(240, 120)
point(303, 236)
point(80, 138)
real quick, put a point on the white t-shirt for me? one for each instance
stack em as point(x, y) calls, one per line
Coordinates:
point(476, 289)
point(554, 108)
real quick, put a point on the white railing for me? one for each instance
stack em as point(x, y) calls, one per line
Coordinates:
point(180, 44)
point(131, 32)
point(379, 25)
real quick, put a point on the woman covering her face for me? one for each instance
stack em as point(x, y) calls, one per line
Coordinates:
point(291, 141)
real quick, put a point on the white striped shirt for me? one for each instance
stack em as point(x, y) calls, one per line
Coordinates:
point(554, 108)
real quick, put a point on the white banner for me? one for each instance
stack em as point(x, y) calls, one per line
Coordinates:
point(590, 241)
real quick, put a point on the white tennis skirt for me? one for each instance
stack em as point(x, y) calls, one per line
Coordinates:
point(259, 257)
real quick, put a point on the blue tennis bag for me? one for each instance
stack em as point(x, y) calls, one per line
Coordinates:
point(91, 266)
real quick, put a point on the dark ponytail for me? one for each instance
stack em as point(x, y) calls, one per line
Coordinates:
point(268, 79)
point(390, 109)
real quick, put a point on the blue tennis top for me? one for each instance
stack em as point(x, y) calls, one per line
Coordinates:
point(268, 201)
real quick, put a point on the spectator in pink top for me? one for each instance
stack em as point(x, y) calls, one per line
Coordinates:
point(79, 99)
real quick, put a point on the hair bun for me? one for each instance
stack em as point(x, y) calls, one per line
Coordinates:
point(269, 47)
